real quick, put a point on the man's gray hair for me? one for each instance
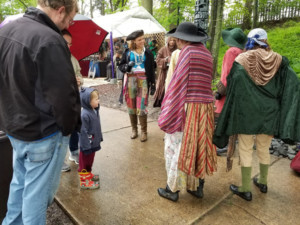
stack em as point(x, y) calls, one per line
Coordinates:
point(56, 4)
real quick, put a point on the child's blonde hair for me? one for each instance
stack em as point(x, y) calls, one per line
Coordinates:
point(94, 94)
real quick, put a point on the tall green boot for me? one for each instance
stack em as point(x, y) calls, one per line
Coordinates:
point(261, 183)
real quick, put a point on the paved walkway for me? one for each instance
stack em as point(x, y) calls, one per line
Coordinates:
point(89, 82)
point(131, 171)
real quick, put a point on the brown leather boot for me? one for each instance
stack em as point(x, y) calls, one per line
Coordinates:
point(133, 121)
point(143, 122)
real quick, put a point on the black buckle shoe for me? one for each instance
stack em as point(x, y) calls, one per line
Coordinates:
point(262, 187)
point(245, 195)
point(168, 194)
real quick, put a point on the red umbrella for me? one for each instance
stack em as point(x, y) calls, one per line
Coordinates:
point(87, 37)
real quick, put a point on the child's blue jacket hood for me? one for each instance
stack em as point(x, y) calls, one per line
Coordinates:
point(90, 134)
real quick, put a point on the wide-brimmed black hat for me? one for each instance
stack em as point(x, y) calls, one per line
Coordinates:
point(134, 35)
point(234, 37)
point(188, 31)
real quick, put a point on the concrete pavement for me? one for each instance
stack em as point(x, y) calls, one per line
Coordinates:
point(131, 171)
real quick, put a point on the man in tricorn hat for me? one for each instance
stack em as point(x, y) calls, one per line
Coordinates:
point(187, 116)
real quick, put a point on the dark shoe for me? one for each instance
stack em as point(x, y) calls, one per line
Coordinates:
point(245, 195)
point(168, 194)
point(221, 151)
point(199, 192)
point(262, 187)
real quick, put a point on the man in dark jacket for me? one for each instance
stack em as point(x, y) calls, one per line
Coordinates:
point(40, 105)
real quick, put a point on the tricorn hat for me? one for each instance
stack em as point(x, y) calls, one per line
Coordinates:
point(234, 37)
point(188, 31)
point(134, 35)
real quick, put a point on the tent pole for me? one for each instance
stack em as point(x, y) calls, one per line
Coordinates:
point(112, 55)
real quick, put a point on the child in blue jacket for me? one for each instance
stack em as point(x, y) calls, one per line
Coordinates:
point(89, 138)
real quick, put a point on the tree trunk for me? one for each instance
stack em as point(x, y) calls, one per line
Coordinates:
point(255, 14)
point(213, 21)
point(91, 8)
point(148, 5)
point(102, 8)
point(171, 11)
point(82, 11)
point(247, 15)
point(216, 40)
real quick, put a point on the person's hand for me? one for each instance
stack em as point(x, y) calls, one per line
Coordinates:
point(78, 81)
point(129, 66)
point(218, 96)
point(152, 89)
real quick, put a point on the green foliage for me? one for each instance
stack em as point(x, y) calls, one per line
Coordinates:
point(14, 7)
point(236, 13)
point(290, 23)
point(268, 10)
point(284, 40)
point(167, 15)
point(117, 6)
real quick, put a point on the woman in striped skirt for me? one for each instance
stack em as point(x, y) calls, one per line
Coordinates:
point(187, 116)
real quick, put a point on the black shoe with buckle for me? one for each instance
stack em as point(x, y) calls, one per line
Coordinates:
point(262, 187)
point(168, 194)
point(245, 195)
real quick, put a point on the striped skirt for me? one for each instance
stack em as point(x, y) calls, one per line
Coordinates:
point(198, 154)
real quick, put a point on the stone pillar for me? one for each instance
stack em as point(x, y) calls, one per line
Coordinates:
point(201, 14)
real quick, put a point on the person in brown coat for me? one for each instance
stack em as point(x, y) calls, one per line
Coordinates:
point(163, 59)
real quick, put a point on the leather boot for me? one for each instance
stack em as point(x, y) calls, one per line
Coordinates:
point(168, 194)
point(143, 122)
point(199, 192)
point(133, 121)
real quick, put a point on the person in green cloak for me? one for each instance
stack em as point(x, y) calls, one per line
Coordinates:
point(262, 99)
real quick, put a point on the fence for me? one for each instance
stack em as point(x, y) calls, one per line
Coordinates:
point(269, 11)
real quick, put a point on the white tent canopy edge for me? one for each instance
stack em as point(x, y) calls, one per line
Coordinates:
point(121, 24)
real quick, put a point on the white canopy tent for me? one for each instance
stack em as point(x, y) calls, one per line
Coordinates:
point(121, 24)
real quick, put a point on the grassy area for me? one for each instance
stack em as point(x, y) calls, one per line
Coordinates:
point(284, 39)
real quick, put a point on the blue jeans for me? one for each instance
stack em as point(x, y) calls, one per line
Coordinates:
point(36, 173)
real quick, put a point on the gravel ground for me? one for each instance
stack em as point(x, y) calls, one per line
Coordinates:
point(56, 216)
point(109, 97)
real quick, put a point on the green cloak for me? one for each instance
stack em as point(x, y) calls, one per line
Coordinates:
point(273, 109)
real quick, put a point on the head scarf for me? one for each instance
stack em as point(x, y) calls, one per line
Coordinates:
point(254, 38)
